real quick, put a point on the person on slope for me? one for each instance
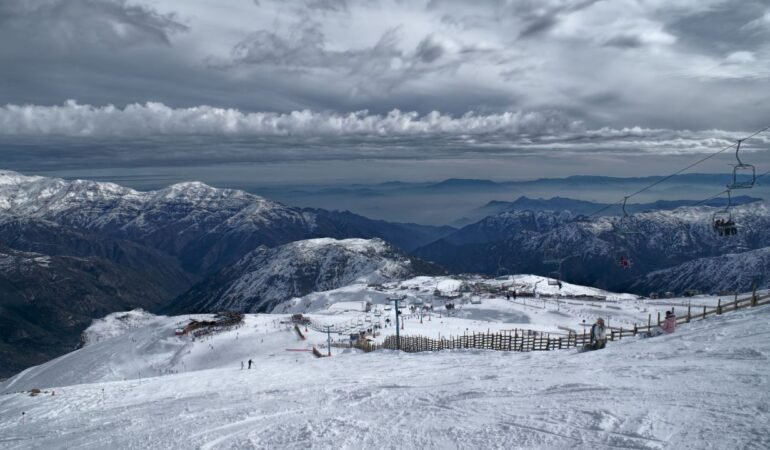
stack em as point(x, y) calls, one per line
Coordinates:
point(669, 325)
point(598, 335)
point(250, 363)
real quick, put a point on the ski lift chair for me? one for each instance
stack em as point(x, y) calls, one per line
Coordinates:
point(625, 225)
point(626, 228)
point(624, 262)
point(723, 222)
point(744, 175)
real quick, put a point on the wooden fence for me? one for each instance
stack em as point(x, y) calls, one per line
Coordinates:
point(529, 341)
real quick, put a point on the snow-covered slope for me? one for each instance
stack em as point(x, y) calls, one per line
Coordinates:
point(704, 387)
point(114, 325)
point(730, 272)
point(135, 344)
point(268, 276)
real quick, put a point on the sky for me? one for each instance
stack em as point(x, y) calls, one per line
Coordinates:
point(271, 92)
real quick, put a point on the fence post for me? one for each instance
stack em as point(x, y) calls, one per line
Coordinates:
point(649, 321)
point(515, 337)
point(754, 294)
point(658, 318)
point(635, 329)
point(688, 314)
point(704, 311)
point(620, 337)
point(719, 307)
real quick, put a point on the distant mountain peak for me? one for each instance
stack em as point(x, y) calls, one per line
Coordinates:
point(465, 182)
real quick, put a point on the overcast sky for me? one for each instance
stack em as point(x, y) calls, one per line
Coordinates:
point(89, 85)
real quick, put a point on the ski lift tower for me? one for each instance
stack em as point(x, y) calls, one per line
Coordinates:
point(328, 330)
point(396, 305)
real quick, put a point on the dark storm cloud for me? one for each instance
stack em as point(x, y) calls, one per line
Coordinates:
point(429, 50)
point(81, 25)
point(383, 66)
point(388, 77)
point(723, 28)
point(625, 41)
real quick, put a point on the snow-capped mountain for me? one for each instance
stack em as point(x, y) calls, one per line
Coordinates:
point(267, 276)
point(517, 242)
point(203, 226)
point(206, 228)
point(735, 272)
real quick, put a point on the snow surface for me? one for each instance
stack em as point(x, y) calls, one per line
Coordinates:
point(704, 387)
point(116, 324)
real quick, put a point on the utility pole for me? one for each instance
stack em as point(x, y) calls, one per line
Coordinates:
point(329, 338)
point(395, 301)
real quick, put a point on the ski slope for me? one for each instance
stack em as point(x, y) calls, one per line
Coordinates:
point(704, 387)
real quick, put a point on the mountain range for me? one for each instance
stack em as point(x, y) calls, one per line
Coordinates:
point(583, 207)
point(75, 250)
point(125, 248)
point(589, 250)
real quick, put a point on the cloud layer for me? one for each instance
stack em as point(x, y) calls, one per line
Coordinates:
point(522, 132)
point(73, 119)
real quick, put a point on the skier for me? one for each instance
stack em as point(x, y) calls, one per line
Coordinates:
point(250, 362)
point(514, 295)
point(598, 335)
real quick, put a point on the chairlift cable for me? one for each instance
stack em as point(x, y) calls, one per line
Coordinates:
point(724, 192)
point(678, 172)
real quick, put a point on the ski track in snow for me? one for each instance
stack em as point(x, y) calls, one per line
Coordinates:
point(704, 387)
